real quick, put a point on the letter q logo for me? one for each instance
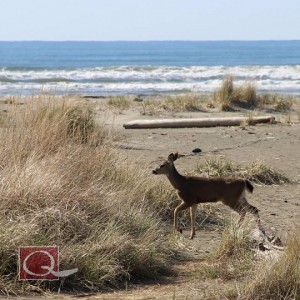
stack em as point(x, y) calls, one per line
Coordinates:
point(38, 263)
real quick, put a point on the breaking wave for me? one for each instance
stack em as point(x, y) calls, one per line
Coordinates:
point(147, 79)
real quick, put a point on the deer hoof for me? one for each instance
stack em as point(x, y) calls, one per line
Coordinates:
point(192, 235)
point(180, 230)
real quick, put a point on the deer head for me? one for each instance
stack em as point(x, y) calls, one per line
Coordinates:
point(166, 166)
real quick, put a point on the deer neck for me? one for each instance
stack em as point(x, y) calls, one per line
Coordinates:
point(175, 178)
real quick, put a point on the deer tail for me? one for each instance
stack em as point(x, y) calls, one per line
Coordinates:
point(249, 186)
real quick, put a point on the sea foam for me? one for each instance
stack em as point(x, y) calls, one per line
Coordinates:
point(148, 79)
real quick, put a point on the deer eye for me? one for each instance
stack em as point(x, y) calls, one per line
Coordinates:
point(161, 166)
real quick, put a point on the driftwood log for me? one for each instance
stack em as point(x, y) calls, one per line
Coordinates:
point(203, 122)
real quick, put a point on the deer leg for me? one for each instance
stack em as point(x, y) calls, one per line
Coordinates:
point(253, 210)
point(242, 213)
point(180, 207)
point(239, 206)
point(244, 207)
point(193, 209)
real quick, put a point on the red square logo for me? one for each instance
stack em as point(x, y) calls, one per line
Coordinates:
point(38, 263)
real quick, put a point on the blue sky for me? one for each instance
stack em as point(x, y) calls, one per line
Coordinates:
point(107, 20)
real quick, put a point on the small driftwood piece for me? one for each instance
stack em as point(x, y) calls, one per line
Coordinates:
point(203, 122)
point(266, 241)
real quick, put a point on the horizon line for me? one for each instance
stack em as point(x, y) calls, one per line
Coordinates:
point(142, 41)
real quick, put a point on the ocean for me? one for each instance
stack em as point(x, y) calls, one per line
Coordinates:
point(105, 68)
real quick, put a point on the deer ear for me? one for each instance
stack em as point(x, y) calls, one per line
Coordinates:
point(175, 156)
point(172, 157)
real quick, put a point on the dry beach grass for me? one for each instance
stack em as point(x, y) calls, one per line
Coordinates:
point(63, 184)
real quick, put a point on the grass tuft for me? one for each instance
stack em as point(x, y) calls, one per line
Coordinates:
point(177, 103)
point(119, 103)
point(257, 172)
point(246, 96)
point(279, 102)
point(230, 96)
point(188, 102)
point(224, 94)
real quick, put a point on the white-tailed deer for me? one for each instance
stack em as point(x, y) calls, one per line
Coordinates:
point(195, 190)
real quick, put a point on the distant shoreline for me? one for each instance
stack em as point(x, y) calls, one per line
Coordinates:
point(148, 41)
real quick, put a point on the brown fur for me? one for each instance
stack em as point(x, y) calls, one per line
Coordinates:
point(194, 190)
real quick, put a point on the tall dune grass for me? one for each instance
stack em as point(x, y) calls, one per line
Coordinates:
point(233, 258)
point(62, 183)
point(277, 278)
point(224, 95)
point(228, 95)
point(275, 275)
